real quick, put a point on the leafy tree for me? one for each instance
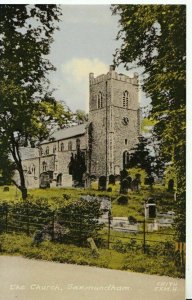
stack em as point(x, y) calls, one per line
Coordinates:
point(77, 166)
point(141, 156)
point(27, 108)
point(154, 39)
point(81, 116)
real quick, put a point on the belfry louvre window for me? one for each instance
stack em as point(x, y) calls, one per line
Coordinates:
point(125, 99)
point(100, 100)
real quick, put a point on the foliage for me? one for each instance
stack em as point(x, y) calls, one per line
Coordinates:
point(142, 172)
point(154, 39)
point(141, 157)
point(27, 109)
point(81, 116)
point(170, 173)
point(122, 200)
point(20, 244)
point(77, 166)
point(80, 217)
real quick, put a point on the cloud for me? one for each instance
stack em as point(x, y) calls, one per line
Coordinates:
point(79, 68)
point(76, 79)
point(87, 14)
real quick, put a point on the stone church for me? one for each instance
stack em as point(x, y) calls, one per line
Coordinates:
point(103, 144)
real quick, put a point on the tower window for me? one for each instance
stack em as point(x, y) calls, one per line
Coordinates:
point(125, 141)
point(125, 99)
point(100, 100)
point(125, 159)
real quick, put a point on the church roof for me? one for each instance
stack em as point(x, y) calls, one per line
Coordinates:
point(66, 133)
point(28, 153)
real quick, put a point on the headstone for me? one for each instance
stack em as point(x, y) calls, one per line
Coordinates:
point(135, 185)
point(124, 186)
point(93, 246)
point(117, 177)
point(150, 210)
point(129, 179)
point(102, 183)
point(6, 189)
point(111, 179)
point(170, 185)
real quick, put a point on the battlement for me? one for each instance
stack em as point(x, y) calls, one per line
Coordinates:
point(112, 74)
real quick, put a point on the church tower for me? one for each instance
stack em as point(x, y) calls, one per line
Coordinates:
point(114, 121)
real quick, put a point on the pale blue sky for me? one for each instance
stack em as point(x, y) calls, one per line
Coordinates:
point(85, 43)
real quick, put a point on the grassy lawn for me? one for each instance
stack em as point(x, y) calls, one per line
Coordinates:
point(14, 244)
point(135, 206)
point(121, 254)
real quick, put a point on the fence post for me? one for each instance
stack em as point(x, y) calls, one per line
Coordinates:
point(6, 218)
point(80, 229)
point(27, 217)
point(144, 243)
point(109, 227)
point(53, 226)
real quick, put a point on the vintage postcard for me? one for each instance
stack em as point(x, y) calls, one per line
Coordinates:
point(93, 151)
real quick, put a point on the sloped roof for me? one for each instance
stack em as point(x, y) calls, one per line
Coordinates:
point(28, 153)
point(66, 133)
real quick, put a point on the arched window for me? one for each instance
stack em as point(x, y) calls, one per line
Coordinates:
point(47, 150)
point(44, 164)
point(54, 149)
point(78, 142)
point(40, 151)
point(100, 100)
point(125, 99)
point(125, 159)
point(70, 146)
point(32, 169)
point(62, 147)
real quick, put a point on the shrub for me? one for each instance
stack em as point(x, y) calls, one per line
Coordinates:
point(80, 220)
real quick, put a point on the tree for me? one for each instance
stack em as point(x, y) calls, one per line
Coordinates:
point(154, 39)
point(27, 108)
point(81, 116)
point(141, 156)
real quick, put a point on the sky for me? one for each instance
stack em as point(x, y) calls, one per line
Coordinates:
point(84, 44)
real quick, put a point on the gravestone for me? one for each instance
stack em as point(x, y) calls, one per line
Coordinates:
point(111, 179)
point(129, 179)
point(171, 185)
point(150, 208)
point(124, 186)
point(102, 183)
point(93, 246)
point(117, 178)
point(6, 189)
point(135, 184)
